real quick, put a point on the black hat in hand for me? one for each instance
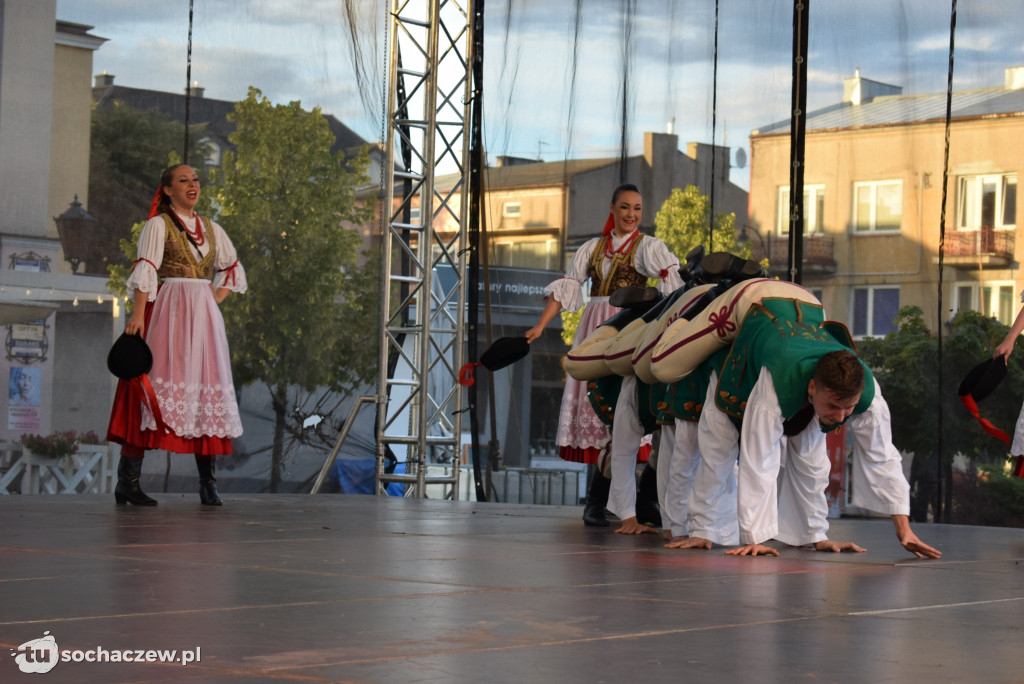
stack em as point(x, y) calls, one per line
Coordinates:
point(130, 357)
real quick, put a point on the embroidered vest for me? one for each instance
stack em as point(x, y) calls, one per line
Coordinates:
point(787, 337)
point(603, 394)
point(621, 273)
point(180, 259)
point(684, 399)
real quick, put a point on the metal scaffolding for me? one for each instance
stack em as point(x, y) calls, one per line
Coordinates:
point(423, 260)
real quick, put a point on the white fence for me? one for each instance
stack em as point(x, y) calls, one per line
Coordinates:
point(90, 470)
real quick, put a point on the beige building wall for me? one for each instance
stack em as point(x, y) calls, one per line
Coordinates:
point(69, 150)
point(913, 155)
point(26, 94)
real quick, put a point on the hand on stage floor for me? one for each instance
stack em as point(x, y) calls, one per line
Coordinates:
point(689, 543)
point(919, 548)
point(631, 526)
point(909, 540)
point(837, 547)
point(752, 550)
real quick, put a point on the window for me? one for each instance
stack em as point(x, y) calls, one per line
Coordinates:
point(877, 206)
point(997, 299)
point(510, 209)
point(814, 210)
point(985, 202)
point(874, 310)
point(526, 253)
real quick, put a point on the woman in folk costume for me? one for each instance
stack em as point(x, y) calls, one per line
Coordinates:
point(621, 257)
point(186, 267)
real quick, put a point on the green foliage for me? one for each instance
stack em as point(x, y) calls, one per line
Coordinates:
point(570, 322)
point(989, 497)
point(682, 223)
point(309, 318)
point(906, 364)
point(129, 149)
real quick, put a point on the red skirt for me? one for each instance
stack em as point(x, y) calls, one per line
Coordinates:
point(591, 454)
point(126, 428)
point(126, 418)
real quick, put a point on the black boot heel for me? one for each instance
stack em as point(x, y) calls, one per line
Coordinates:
point(128, 490)
point(207, 482)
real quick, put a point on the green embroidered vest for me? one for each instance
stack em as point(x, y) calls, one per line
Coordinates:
point(787, 337)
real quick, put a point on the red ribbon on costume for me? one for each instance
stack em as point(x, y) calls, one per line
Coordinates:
point(147, 396)
point(986, 425)
point(1018, 467)
point(153, 211)
point(609, 225)
point(136, 263)
point(664, 272)
point(231, 273)
point(720, 322)
point(466, 378)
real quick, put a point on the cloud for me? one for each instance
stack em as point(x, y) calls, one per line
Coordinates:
point(303, 51)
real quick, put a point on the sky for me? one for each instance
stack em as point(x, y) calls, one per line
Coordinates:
point(535, 104)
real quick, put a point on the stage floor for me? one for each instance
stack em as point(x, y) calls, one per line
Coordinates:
point(335, 588)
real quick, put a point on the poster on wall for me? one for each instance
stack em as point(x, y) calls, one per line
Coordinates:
point(24, 386)
point(23, 418)
point(24, 393)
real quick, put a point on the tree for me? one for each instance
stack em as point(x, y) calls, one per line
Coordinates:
point(682, 222)
point(129, 149)
point(309, 317)
point(906, 364)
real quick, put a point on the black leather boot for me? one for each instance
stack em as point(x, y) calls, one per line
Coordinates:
point(128, 489)
point(647, 510)
point(594, 514)
point(207, 482)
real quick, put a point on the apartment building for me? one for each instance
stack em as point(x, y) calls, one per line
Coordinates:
point(873, 202)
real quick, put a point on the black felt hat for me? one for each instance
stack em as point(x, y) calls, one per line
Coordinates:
point(979, 383)
point(130, 357)
point(982, 380)
point(504, 352)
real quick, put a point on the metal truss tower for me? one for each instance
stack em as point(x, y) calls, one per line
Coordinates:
point(423, 263)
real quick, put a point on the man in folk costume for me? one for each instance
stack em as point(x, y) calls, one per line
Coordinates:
point(788, 373)
point(186, 404)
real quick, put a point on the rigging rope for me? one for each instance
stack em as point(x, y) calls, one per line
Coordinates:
point(942, 243)
point(714, 152)
point(628, 12)
point(188, 81)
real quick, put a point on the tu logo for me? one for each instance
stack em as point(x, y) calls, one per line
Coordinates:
point(37, 656)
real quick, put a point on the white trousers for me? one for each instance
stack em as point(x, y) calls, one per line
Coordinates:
point(713, 499)
point(627, 434)
point(678, 460)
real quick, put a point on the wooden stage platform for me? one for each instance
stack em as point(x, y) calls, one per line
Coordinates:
point(335, 588)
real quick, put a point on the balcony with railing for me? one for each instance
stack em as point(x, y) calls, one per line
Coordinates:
point(985, 247)
point(818, 252)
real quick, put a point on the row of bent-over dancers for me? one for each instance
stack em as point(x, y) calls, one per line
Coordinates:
point(743, 376)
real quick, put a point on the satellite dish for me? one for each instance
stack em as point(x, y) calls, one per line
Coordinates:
point(741, 158)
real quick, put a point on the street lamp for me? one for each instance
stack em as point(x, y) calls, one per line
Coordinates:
point(76, 228)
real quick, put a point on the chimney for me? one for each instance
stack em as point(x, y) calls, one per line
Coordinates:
point(1015, 78)
point(104, 80)
point(195, 91)
point(859, 90)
